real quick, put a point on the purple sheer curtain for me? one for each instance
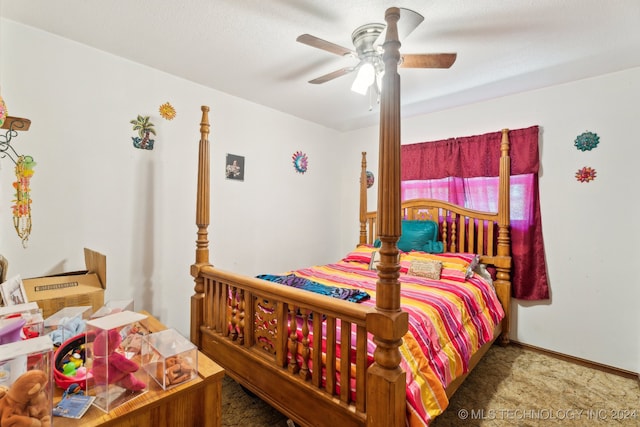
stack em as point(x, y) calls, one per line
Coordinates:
point(465, 171)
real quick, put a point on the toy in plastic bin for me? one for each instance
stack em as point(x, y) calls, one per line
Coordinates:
point(113, 358)
point(25, 402)
point(112, 367)
point(69, 363)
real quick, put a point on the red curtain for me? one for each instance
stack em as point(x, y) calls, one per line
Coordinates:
point(479, 156)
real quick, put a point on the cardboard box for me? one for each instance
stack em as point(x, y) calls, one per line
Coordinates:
point(86, 287)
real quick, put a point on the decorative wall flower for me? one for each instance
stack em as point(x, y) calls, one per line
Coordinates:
point(370, 179)
point(587, 141)
point(3, 111)
point(586, 174)
point(300, 162)
point(167, 111)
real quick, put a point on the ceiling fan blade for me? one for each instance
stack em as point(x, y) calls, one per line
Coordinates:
point(428, 60)
point(409, 21)
point(332, 75)
point(314, 41)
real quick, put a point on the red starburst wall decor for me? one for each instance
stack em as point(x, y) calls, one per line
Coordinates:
point(586, 174)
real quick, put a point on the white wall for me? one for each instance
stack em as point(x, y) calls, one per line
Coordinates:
point(93, 189)
point(590, 230)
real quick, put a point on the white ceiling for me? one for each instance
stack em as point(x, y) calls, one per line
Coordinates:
point(248, 48)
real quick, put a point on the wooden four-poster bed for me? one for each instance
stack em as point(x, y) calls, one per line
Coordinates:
point(264, 334)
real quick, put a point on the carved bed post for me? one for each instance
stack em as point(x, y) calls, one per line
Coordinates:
point(202, 222)
point(503, 273)
point(363, 200)
point(386, 383)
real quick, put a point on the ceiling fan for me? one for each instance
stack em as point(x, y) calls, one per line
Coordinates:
point(367, 41)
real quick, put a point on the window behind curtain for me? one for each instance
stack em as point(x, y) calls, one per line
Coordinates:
point(464, 171)
point(478, 193)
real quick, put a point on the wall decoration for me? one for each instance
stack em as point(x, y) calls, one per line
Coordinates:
point(235, 167)
point(3, 111)
point(300, 162)
point(167, 111)
point(587, 141)
point(586, 174)
point(370, 179)
point(145, 129)
point(22, 202)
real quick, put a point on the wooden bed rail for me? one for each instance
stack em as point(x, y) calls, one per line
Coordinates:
point(279, 328)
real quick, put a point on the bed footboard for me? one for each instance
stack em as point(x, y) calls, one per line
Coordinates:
point(266, 336)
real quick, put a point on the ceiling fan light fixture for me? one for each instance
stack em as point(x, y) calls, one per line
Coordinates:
point(364, 79)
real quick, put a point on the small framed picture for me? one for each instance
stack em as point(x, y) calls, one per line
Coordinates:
point(13, 292)
point(4, 266)
point(235, 167)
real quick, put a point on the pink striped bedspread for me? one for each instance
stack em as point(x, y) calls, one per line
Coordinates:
point(448, 321)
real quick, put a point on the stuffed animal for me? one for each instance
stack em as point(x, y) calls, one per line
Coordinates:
point(178, 370)
point(25, 403)
point(111, 367)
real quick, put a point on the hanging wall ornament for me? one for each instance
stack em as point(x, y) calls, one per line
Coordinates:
point(167, 111)
point(22, 202)
point(587, 141)
point(145, 129)
point(300, 162)
point(3, 111)
point(370, 179)
point(586, 174)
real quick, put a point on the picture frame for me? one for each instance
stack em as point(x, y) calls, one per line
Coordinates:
point(4, 266)
point(12, 291)
point(234, 169)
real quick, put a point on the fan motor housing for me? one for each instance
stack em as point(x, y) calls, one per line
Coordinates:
point(365, 36)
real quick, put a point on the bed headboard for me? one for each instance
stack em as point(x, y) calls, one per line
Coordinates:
point(460, 229)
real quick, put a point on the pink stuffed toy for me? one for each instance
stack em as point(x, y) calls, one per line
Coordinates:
point(114, 368)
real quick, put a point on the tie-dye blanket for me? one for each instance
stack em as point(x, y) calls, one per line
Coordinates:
point(347, 294)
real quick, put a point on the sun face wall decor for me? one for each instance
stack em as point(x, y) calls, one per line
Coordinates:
point(300, 162)
point(167, 111)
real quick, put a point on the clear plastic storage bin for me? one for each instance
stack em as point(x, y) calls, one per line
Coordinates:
point(113, 357)
point(169, 358)
point(112, 307)
point(25, 376)
point(67, 323)
point(31, 314)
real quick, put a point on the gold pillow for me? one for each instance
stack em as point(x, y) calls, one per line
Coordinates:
point(428, 269)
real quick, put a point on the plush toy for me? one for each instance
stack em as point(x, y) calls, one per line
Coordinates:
point(25, 403)
point(178, 370)
point(111, 366)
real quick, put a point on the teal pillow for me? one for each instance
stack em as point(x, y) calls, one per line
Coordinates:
point(416, 234)
point(433, 247)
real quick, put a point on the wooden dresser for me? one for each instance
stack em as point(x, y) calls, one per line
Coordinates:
point(196, 403)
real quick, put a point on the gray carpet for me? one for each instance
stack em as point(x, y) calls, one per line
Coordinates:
point(512, 386)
